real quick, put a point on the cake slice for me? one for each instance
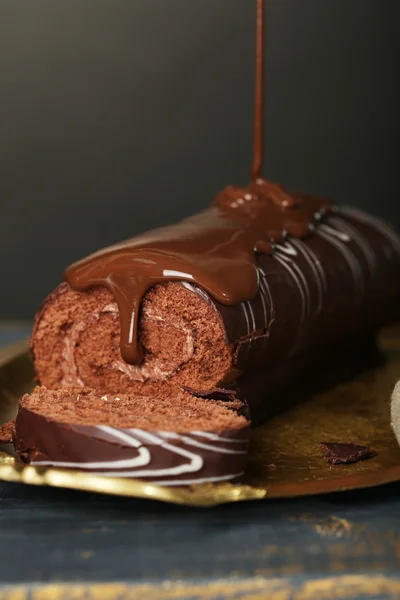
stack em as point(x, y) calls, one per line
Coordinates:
point(169, 438)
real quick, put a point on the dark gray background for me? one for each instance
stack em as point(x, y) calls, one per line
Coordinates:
point(121, 115)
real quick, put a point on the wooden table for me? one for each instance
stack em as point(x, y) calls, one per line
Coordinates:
point(58, 544)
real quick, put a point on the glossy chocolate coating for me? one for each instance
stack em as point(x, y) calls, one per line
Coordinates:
point(164, 458)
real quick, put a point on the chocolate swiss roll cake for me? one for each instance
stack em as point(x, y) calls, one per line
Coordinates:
point(174, 439)
point(244, 296)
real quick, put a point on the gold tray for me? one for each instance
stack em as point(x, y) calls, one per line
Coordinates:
point(284, 460)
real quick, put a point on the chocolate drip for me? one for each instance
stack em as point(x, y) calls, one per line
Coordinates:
point(215, 249)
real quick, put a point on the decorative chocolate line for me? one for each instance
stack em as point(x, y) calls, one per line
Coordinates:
point(343, 237)
point(338, 233)
point(358, 238)
point(299, 287)
point(142, 460)
point(190, 442)
point(312, 263)
point(244, 308)
point(314, 260)
point(265, 314)
point(196, 461)
point(302, 278)
point(265, 289)
point(143, 441)
point(351, 260)
point(253, 320)
point(286, 248)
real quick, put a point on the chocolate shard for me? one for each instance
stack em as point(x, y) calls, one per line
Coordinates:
point(338, 453)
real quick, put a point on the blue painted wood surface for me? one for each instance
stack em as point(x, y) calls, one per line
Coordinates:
point(343, 545)
point(10, 333)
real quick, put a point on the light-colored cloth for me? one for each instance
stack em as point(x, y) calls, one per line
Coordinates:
point(395, 411)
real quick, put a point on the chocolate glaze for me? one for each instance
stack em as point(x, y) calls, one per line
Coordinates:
point(215, 249)
point(342, 281)
point(160, 457)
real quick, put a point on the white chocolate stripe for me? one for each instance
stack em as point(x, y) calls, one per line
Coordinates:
point(304, 250)
point(317, 264)
point(217, 438)
point(196, 462)
point(243, 304)
point(286, 248)
point(339, 241)
point(129, 463)
point(349, 257)
point(343, 237)
point(252, 316)
point(191, 442)
point(263, 303)
point(303, 279)
point(196, 290)
point(117, 433)
point(288, 267)
point(146, 436)
point(144, 458)
point(134, 437)
point(358, 238)
point(264, 284)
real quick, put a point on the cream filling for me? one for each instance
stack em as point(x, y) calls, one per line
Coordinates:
point(153, 368)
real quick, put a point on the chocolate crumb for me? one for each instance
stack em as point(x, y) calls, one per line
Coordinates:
point(338, 453)
point(6, 433)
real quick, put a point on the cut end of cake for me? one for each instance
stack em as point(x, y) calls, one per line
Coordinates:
point(168, 410)
point(76, 341)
